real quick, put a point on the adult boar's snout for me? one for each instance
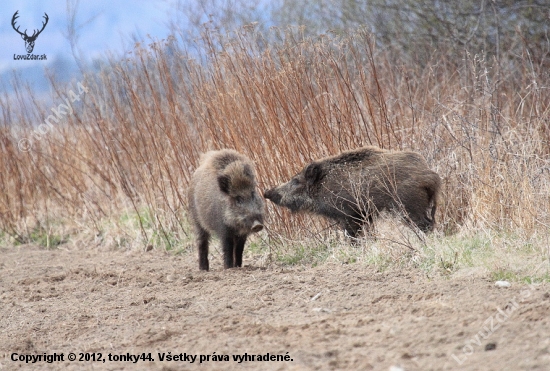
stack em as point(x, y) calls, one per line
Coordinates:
point(273, 195)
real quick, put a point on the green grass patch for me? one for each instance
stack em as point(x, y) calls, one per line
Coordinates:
point(308, 254)
point(47, 238)
point(505, 256)
point(148, 229)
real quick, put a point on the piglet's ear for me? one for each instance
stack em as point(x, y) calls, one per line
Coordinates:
point(224, 182)
point(313, 173)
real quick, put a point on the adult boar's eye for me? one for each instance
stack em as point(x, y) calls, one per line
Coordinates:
point(239, 199)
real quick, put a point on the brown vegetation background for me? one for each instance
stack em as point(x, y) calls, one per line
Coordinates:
point(283, 98)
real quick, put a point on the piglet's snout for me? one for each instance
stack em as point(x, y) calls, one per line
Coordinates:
point(257, 226)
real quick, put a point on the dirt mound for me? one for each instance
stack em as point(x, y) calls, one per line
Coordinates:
point(124, 309)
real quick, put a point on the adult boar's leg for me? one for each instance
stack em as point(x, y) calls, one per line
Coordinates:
point(368, 226)
point(352, 226)
point(421, 220)
point(419, 215)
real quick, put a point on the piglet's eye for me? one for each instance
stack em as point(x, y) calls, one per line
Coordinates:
point(238, 199)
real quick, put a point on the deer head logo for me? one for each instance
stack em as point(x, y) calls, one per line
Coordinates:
point(29, 40)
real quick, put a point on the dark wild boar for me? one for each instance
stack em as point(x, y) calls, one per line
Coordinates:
point(223, 201)
point(353, 187)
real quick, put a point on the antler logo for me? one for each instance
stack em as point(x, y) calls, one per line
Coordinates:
point(29, 40)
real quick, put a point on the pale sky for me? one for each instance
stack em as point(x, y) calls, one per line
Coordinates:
point(105, 26)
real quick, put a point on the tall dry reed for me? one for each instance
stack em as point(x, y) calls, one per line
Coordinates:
point(133, 139)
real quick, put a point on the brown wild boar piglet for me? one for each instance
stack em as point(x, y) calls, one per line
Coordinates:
point(223, 201)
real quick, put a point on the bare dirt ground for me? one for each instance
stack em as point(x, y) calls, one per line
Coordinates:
point(132, 302)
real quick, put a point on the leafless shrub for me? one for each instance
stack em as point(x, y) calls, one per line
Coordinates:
point(132, 142)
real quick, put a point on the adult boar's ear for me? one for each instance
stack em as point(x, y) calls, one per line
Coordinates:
point(313, 173)
point(224, 182)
